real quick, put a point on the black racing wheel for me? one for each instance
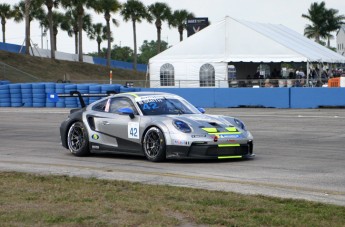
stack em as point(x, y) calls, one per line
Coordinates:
point(154, 145)
point(78, 140)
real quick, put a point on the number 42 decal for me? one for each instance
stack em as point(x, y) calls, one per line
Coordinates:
point(133, 130)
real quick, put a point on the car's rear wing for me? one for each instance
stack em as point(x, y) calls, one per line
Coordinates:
point(55, 97)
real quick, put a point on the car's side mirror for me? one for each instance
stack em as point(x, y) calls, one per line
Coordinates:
point(202, 110)
point(127, 111)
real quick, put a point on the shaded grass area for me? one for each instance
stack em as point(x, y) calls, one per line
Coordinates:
point(36, 200)
point(52, 70)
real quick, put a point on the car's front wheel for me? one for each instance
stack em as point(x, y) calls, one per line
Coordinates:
point(78, 140)
point(154, 145)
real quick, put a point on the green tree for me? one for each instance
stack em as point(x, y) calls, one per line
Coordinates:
point(179, 20)
point(98, 32)
point(135, 11)
point(107, 7)
point(27, 10)
point(160, 12)
point(6, 12)
point(50, 5)
point(79, 6)
point(333, 23)
point(149, 49)
point(316, 15)
point(57, 19)
point(70, 25)
point(122, 53)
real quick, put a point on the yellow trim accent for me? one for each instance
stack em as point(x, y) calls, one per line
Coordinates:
point(135, 95)
point(231, 129)
point(210, 130)
point(229, 145)
point(225, 133)
point(225, 157)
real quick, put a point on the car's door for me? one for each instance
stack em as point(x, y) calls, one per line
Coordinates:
point(120, 126)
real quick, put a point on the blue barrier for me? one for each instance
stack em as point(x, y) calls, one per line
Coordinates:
point(94, 89)
point(119, 64)
point(260, 97)
point(317, 97)
point(5, 96)
point(35, 95)
point(231, 97)
point(27, 95)
point(4, 82)
point(12, 48)
point(252, 97)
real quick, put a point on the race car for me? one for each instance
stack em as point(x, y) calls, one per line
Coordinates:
point(156, 125)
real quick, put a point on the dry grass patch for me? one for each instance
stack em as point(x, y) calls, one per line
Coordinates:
point(28, 200)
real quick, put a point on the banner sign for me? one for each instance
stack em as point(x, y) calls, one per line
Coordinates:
point(196, 24)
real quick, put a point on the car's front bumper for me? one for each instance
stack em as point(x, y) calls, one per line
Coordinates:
point(207, 151)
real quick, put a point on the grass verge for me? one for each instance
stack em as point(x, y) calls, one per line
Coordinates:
point(35, 200)
point(52, 70)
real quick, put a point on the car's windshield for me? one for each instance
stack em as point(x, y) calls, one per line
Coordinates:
point(162, 105)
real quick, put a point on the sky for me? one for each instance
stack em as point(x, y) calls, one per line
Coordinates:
point(285, 12)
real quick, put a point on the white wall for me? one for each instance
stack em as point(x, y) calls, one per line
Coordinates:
point(187, 74)
point(38, 52)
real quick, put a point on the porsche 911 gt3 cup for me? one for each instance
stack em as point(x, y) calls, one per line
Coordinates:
point(156, 125)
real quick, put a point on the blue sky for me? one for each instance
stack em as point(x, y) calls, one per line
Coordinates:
point(286, 12)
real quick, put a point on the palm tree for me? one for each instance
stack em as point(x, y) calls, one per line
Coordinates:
point(316, 15)
point(50, 4)
point(160, 12)
point(107, 7)
point(135, 11)
point(334, 22)
point(27, 10)
point(70, 25)
point(5, 13)
point(57, 19)
point(98, 32)
point(179, 20)
point(78, 6)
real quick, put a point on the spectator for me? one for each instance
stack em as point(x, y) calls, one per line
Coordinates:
point(267, 83)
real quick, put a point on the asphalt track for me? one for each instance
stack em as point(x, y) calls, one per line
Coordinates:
point(300, 154)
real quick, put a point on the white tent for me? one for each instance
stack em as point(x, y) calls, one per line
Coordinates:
point(233, 41)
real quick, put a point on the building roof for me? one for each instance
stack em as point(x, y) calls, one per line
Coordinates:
point(233, 40)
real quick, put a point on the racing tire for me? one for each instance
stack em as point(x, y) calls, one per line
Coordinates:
point(154, 145)
point(78, 139)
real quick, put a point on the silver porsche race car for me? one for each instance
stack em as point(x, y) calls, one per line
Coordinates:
point(156, 125)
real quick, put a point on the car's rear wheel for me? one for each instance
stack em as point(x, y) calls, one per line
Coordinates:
point(78, 140)
point(154, 145)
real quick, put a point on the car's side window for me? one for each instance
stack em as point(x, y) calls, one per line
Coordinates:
point(100, 106)
point(121, 102)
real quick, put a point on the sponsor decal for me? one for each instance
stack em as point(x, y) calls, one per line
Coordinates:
point(198, 136)
point(95, 147)
point(53, 97)
point(148, 99)
point(181, 142)
point(95, 136)
point(229, 136)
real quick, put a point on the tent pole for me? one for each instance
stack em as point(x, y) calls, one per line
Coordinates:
point(308, 71)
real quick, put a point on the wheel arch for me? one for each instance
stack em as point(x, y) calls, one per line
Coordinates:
point(160, 126)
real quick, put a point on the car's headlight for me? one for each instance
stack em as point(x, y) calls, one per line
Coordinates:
point(182, 126)
point(240, 123)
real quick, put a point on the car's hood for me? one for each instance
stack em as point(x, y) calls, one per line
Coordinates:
point(200, 121)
